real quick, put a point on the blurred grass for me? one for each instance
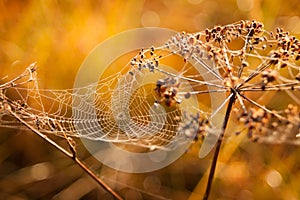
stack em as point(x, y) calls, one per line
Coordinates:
point(60, 34)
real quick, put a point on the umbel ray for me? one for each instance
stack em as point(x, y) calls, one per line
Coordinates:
point(245, 63)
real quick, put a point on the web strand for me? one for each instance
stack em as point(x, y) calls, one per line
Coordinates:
point(124, 108)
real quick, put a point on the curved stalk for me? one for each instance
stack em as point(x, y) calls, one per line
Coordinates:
point(71, 155)
point(218, 146)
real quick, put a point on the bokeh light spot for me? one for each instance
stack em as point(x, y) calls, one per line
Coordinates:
point(273, 178)
point(150, 18)
point(40, 171)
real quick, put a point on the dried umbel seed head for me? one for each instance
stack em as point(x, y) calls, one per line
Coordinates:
point(20, 105)
point(194, 126)
point(268, 76)
point(265, 126)
point(167, 89)
point(146, 59)
point(254, 121)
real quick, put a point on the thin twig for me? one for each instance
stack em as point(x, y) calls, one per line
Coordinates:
point(68, 154)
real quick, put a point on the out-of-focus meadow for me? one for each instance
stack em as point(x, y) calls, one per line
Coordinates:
point(58, 35)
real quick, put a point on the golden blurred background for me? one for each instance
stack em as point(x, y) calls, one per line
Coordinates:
point(58, 35)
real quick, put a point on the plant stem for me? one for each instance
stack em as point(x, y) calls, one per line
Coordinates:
point(218, 146)
point(68, 154)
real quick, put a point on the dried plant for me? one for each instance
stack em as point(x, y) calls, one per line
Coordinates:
point(243, 62)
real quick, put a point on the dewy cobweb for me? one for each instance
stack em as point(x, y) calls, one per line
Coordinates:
point(148, 105)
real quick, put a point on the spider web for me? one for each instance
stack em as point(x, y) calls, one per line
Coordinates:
point(135, 119)
point(123, 108)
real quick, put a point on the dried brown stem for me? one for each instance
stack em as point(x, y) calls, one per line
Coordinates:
point(218, 146)
point(68, 154)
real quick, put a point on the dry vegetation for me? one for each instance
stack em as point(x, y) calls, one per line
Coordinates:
point(59, 36)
